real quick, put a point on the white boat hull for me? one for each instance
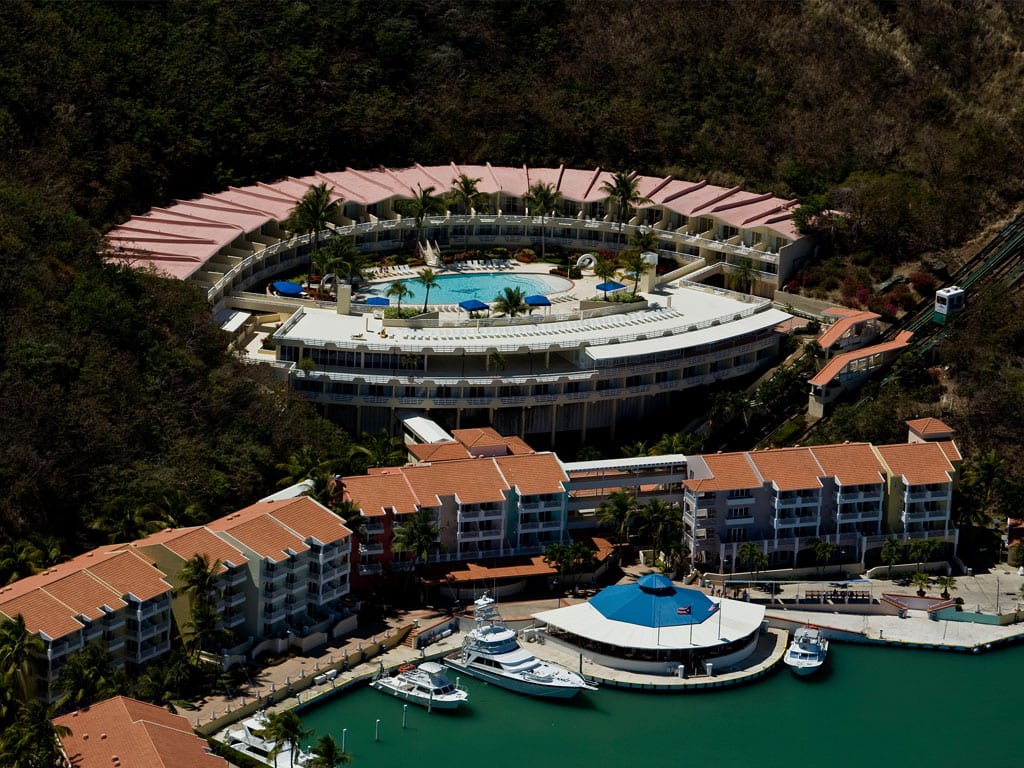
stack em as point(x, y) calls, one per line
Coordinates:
point(437, 702)
point(511, 683)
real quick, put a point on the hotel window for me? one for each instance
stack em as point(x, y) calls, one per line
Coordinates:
point(736, 534)
point(728, 232)
point(738, 512)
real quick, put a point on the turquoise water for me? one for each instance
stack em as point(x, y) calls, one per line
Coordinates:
point(869, 706)
point(451, 289)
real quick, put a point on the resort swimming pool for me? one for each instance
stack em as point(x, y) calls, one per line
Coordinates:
point(451, 289)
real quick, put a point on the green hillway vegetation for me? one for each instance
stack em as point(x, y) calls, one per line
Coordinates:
point(121, 410)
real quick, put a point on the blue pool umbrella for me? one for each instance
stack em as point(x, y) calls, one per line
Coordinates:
point(286, 288)
point(611, 285)
point(538, 301)
point(378, 301)
point(473, 305)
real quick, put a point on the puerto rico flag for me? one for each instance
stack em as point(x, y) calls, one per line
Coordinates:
point(713, 608)
point(683, 610)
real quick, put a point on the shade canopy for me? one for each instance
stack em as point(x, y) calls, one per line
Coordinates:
point(473, 305)
point(538, 301)
point(611, 285)
point(286, 288)
point(378, 301)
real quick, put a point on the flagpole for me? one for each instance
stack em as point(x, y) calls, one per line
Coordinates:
point(720, 601)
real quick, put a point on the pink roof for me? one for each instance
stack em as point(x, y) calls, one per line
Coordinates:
point(836, 365)
point(180, 239)
point(835, 332)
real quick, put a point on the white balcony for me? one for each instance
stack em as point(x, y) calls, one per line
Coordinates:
point(789, 523)
point(745, 520)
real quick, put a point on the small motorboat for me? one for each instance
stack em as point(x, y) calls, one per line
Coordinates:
point(806, 653)
point(427, 685)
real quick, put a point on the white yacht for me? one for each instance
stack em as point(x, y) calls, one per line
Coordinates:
point(807, 652)
point(491, 653)
point(249, 738)
point(427, 685)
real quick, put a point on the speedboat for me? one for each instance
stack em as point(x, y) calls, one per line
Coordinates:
point(250, 739)
point(807, 652)
point(427, 685)
point(492, 653)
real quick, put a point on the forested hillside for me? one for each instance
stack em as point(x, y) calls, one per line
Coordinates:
point(119, 404)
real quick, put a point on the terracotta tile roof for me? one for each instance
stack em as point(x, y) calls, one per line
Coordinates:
point(261, 533)
point(310, 520)
point(918, 463)
point(949, 448)
point(517, 446)
point(728, 470)
point(85, 594)
point(835, 332)
point(478, 436)
point(446, 451)
point(534, 473)
point(373, 493)
point(850, 464)
point(841, 312)
point(929, 426)
point(129, 573)
point(474, 572)
point(42, 613)
point(836, 365)
point(789, 469)
point(131, 734)
point(186, 543)
point(473, 481)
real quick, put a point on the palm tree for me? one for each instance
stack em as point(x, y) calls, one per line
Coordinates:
point(285, 730)
point(327, 753)
point(982, 487)
point(428, 278)
point(18, 560)
point(618, 510)
point(377, 450)
point(558, 555)
point(421, 205)
point(399, 290)
point(199, 578)
point(752, 556)
point(311, 215)
point(921, 550)
point(634, 450)
point(824, 551)
point(947, 583)
point(623, 193)
point(892, 553)
point(543, 198)
point(661, 524)
point(636, 266)
point(418, 534)
point(87, 677)
point(644, 240)
point(126, 521)
point(32, 740)
point(18, 648)
point(464, 193)
point(302, 464)
point(605, 269)
point(921, 581)
point(511, 301)
point(743, 275)
point(678, 442)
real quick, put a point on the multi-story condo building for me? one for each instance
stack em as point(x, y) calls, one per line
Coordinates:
point(853, 495)
point(171, 549)
point(297, 555)
point(111, 596)
point(484, 507)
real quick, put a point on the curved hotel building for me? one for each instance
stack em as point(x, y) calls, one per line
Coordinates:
point(578, 365)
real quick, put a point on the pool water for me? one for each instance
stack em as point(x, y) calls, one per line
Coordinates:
point(451, 289)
